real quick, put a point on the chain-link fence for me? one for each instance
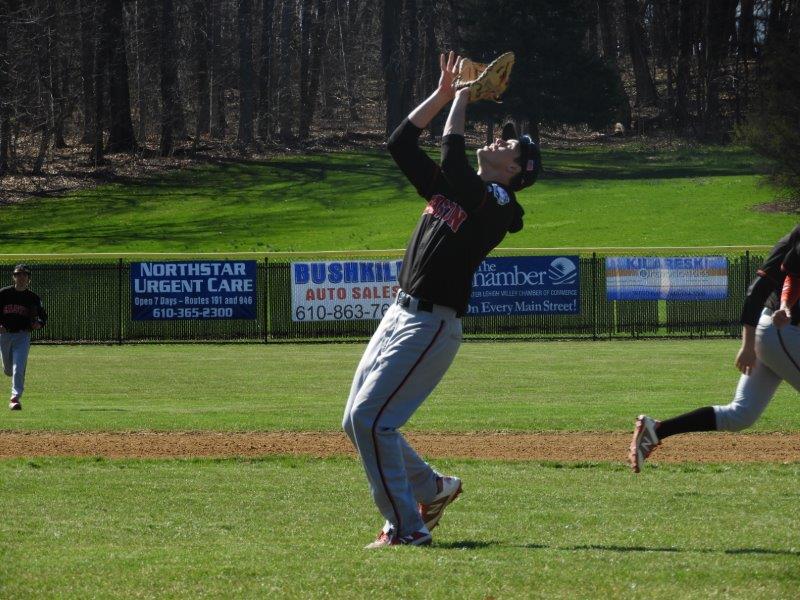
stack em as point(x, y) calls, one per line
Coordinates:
point(94, 302)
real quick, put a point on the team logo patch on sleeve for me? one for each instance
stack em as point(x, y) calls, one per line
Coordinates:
point(499, 194)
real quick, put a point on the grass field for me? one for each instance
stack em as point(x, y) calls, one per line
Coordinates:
point(294, 528)
point(589, 197)
point(551, 386)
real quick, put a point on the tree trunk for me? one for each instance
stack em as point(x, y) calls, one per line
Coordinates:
point(87, 15)
point(121, 137)
point(5, 119)
point(316, 61)
point(218, 124)
point(430, 61)
point(285, 107)
point(168, 78)
point(686, 11)
point(146, 17)
point(202, 45)
point(411, 33)
point(306, 35)
point(608, 34)
point(265, 70)
point(245, 15)
point(99, 80)
point(665, 41)
point(719, 20)
point(390, 60)
point(746, 29)
point(346, 30)
point(58, 75)
point(646, 94)
point(608, 41)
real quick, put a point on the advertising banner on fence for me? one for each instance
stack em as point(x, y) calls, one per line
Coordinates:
point(523, 285)
point(343, 290)
point(358, 290)
point(666, 278)
point(217, 289)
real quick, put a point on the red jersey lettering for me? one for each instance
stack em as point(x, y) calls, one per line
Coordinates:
point(446, 210)
point(15, 309)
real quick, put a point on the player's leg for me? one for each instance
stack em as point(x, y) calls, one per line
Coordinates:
point(368, 362)
point(753, 393)
point(5, 351)
point(19, 352)
point(421, 475)
point(418, 354)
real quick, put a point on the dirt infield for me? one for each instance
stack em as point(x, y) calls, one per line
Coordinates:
point(713, 447)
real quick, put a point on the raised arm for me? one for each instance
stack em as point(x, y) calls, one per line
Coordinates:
point(455, 167)
point(416, 165)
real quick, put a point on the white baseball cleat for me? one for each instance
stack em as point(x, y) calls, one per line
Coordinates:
point(14, 403)
point(386, 538)
point(644, 441)
point(449, 489)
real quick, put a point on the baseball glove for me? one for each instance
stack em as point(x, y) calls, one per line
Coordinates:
point(485, 82)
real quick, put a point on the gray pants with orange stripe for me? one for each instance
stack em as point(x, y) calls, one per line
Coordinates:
point(407, 356)
point(778, 359)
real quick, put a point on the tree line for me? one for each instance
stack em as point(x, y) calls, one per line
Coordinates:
point(168, 75)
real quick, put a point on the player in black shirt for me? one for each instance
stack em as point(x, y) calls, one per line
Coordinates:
point(467, 213)
point(770, 353)
point(20, 311)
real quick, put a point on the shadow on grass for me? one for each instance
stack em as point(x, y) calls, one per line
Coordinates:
point(468, 544)
point(659, 549)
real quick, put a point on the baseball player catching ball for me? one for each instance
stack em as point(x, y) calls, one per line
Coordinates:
point(20, 311)
point(467, 214)
point(770, 353)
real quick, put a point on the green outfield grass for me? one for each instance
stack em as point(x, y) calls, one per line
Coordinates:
point(589, 197)
point(515, 386)
point(294, 528)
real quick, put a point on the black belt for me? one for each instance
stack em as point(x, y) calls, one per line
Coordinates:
point(405, 301)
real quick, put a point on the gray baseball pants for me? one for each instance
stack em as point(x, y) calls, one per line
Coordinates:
point(778, 359)
point(407, 356)
point(14, 348)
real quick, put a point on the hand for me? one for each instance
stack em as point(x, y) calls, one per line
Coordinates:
point(36, 325)
point(781, 317)
point(449, 65)
point(746, 360)
point(2, 329)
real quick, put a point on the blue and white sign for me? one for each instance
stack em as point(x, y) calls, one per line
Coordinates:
point(666, 278)
point(215, 289)
point(521, 285)
point(350, 290)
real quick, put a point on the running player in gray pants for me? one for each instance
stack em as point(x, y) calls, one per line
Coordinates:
point(20, 311)
point(770, 353)
point(467, 214)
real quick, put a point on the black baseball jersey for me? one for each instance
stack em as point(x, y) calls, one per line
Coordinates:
point(465, 218)
point(765, 290)
point(19, 309)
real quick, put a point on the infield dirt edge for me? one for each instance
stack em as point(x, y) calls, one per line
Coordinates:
point(555, 446)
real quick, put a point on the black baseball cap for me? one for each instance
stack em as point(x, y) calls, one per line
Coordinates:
point(530, 159)
point(22, 269)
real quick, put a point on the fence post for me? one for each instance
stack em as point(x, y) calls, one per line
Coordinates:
point(266, 299)
point(594, 295)
point(746, 270)
point(119, 301)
